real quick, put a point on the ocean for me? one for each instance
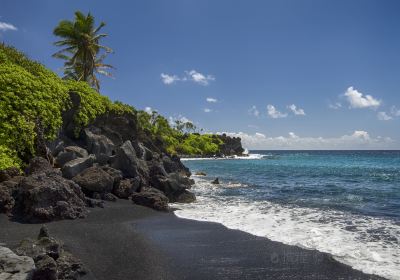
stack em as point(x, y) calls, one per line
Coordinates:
point(345, 203)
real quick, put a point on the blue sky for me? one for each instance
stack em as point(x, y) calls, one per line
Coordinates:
point(337, 62)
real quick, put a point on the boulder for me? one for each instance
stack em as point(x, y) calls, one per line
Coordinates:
point(76, 166)
point(118, 127)
point(109, 197)
point(152, 198)
point(172, 185)
point(46, 197)
point(46, 268)
point(127, 161)
point(114, 173)
point(200, 173)
point(6, 199)
point(127, 187)
point(99, 144)
point(215, 182)
point(174, 164)
point(40, 165)
point(51, 259)
point(184, 197)
point(78, 151)
point(15, 267)
point(64, 157)
point(92, 203)
point(94, 179)
point(8, 173)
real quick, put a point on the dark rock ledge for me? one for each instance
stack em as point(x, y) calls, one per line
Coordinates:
point(106, 162)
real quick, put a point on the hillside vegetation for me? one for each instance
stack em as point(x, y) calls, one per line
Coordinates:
point(33, 99)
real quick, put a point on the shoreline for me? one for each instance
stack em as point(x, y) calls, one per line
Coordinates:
point(126, 241)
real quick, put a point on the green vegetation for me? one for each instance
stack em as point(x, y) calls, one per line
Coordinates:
point(32, 94)
point(81, 49)
point(28, 93)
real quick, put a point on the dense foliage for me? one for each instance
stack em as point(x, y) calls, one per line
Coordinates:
point(31, 94)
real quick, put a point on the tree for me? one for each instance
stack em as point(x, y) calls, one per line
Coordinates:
point(81, 49)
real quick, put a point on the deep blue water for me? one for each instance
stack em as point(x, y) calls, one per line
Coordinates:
point(362, 182)
point(346, 203)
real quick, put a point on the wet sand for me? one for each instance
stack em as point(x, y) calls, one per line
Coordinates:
point(125, 241)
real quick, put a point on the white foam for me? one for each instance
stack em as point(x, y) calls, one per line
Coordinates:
point(305, 227)
point(249, 156)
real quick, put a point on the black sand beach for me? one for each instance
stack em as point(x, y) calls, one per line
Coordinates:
point(125, 241)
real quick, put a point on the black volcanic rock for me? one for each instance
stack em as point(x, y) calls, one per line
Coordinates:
point(94, 179)
point(152, 198)
point(48, 196)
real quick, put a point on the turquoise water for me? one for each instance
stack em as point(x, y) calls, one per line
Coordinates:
point(313, 199)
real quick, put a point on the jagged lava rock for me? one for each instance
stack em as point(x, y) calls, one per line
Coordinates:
point(45, 197)
point(151, 197)
point(76, 166)
point(94, 179)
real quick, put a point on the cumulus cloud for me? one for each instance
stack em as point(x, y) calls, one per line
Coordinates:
point(211, 100)
point(274, 113)
point(207, 110)
point(254, 111)
point(169, 79)
point(359, 139)
point(4, 26)
point(192, 75)
point(296, 111)
point(382, 116)
point(357, 99)
point(199, 78)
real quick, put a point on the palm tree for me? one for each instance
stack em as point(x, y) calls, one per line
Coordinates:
point(82, 49)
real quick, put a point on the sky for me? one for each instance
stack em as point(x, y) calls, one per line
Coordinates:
point(299, 74)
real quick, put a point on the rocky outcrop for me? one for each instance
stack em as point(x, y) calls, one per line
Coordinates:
point(47, 196)
point(127, 187)
point(94, 179)
point(76, 166)
point(52, 261)
point(231, 145)
point(14, 267)
point(9, 173)
point(152, 198)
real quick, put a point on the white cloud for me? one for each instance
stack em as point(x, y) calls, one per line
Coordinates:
point(274, 113)
point(207, 110)
point(395, 112)
point(199, 78)
point(191, 75)
point(252, 126)
point(296, 111)
point(359, 139)
point(149, 110)
point(211, 100)
point(254, 111)
point(4, 26)
point(181, 118)
point(358, 100)
point(335, 106)
point(169, 79)
point(382, 116)
point(293, 135)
